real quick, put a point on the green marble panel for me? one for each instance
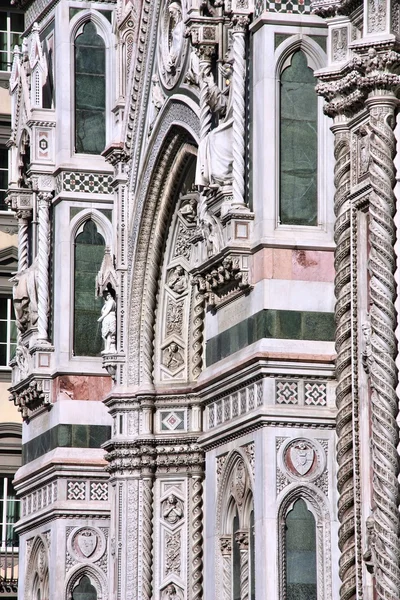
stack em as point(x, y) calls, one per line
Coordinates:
point(277, 324)
point(298, 144)
point(65, 436)
point(89, 252)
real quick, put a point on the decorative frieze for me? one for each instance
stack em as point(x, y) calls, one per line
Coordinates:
point(39, 499)
point(87, 490)
point(301, 392)
point(87, 183)
point(234, 404)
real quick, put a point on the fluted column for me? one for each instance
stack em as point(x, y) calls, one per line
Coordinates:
point(242, 538)
point(239, 29)
point(44, 199)
point(226, 552)
point(197, 537)
point(383, 371)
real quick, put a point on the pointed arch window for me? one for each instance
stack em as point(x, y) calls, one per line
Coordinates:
point(298, 144)
point(89, 253)
point(84, 590)
point(90, 91)
point(301, 558)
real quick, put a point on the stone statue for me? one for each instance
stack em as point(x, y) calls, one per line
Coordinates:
point(215, 155)
point(25, 297)
point(369, 554)
point(172, 509)
point(157, 99)
point(108, 323)
point(176, 29)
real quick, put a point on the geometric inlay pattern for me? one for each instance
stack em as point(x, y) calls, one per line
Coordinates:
point(315, 394)
point(99, 490)
point(90, 183)
point(76, 490)
point(172, 420)
point(286, 392)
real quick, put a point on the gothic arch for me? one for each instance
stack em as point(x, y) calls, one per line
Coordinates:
point(173, 151)
point(234, 501)
point(103, 224)
point(317, 504)
point(316, 57)
point(37, 572)
point(96, 576)
point(225, 493)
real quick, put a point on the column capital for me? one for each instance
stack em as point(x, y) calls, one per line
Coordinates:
point(242, 538)
point(225, 543)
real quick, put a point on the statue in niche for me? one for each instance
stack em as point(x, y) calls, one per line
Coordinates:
point(25, 297)
point(173, 511)
point(108, 322)
point(176, 30)
point(364, 151)
point(178, 280)
point(215, 155)
point(369, 554)
point(189, 211)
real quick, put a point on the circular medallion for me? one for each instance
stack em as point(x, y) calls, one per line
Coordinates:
point(87, 544)
point(172, 46)
point(302, 459)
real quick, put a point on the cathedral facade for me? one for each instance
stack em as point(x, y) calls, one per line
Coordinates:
point(206, 298)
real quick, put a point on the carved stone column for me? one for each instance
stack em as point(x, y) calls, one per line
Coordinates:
point(147, 537)
point(344, 423)
point(205, 52)
point(197, 536)
point(226, 551)
point(44, 199)
point(242, 538)
point(383, 371)
point(240, 24)
point(24, 216)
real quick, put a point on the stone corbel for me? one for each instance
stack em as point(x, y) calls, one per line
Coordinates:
point(32, 396)
point(223, 280)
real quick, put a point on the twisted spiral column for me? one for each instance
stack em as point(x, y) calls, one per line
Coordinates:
point(344, 423)
point(23, 242)
point(197, 537)
point(44, 199)
point(205, 55)
point(383, 371)
point(147, 538)
point(238, 93)
point(198, 326)
point(242, 538)
point(226, 551)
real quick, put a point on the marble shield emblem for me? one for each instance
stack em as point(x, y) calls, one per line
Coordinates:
point(302, 457)
point(87, 542)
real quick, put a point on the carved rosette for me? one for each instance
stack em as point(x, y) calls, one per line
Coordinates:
point(383, 372)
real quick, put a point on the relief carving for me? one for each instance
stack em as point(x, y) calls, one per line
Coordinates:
point(173, 357)
point(339, 44)
point(172, 509)
point(178, 280)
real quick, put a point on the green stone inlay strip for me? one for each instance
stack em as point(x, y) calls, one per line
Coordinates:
point(278, 324)
point(65, 436)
